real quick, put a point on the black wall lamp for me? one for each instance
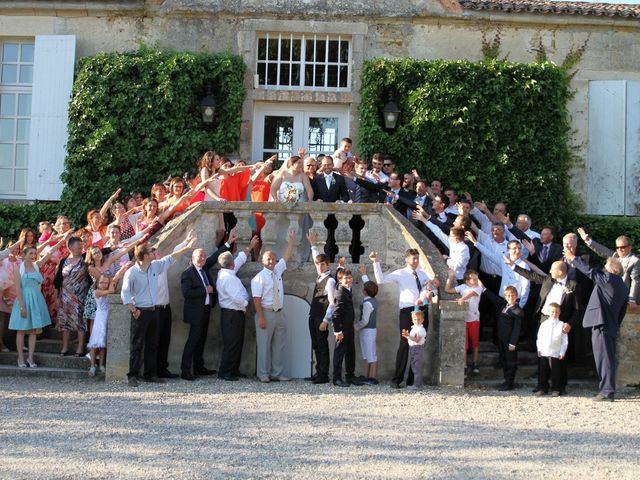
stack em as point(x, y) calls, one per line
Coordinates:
point(391, 113)
point(208, 106)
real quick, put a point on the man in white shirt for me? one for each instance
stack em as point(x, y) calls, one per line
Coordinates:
point(411, 281)
point(268, 298)
point(376, 175)
point(233, 300)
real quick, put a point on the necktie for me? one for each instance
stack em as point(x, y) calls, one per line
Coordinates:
point(204, 278)
point(544, 253)
point(418, 284)
point(327, 180)
point(276, 291)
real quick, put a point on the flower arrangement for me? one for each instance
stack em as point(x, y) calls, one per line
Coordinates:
point(290, 194)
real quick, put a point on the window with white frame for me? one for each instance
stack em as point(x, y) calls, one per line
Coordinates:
point(304, 62)
point(16, 78)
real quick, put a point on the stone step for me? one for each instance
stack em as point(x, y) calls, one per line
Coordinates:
point(526, 385)
point(488, 358)
point(44, 372)
point(48, 345)
point(53, 360)
point(578, 373)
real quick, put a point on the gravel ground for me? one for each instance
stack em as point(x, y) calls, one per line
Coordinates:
point(212, 429)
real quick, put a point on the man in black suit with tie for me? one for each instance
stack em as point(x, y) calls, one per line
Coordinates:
point(604, 314)
point(199, 298)
point(329, 187)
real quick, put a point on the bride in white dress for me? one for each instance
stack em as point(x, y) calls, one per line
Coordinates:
point(291, 184)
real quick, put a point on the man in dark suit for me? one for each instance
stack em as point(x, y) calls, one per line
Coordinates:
point(604, 314)
point(199, 298)
point(556, 288)
point(400, 198)
point(329, 187)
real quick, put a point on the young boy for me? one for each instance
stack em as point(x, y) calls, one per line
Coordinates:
point(340, 155)
point(509, 323)
point(470, 292)
point(416, 339)
point(552, 347)
point(367, 327)
point(343, 319)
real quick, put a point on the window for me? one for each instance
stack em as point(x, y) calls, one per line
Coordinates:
point(16, 77)
point(306, 62)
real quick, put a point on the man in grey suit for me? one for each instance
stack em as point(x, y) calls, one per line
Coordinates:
point(604, 314)
point(630, 262)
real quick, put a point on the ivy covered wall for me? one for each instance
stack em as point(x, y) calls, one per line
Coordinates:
point(134, 120)
point(494, 128)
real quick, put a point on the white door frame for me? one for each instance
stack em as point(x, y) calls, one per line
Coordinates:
point(301, 112)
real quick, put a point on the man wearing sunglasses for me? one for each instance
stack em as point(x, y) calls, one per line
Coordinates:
point(630, 262)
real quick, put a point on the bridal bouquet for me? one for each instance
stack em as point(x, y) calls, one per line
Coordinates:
point(291, 194)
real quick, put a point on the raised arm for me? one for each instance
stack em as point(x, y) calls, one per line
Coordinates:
point(291, 238)
point(105, 208)
point(529, 275)
point(593, 245)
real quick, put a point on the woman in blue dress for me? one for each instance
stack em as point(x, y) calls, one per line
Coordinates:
point(30, 313)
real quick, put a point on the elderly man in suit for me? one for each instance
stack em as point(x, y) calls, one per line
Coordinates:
point(630, 262)
point(199, 298)
point(604, 314)
point(329, 187)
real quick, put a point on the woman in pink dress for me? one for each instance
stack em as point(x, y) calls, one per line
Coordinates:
point(48, 270)
point(8, 289)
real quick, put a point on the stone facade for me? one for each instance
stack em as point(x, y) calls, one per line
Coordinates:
point(426, 29)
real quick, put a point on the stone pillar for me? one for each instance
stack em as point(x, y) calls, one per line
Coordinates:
point(452, 332)
point(295, 225)
point(319, 229)
point(118, 337)
point(628, 351)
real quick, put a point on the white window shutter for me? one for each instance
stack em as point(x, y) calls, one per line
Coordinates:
point(54, 61)
point(606, 161)
point(632, 197)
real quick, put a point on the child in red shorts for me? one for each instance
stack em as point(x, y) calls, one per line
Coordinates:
point(470, 292)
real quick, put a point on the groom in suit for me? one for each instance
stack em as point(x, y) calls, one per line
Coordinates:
point(199, 298)
point(329, 187)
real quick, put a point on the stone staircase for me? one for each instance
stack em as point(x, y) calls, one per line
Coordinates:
point(47, 357)
point(580, 376)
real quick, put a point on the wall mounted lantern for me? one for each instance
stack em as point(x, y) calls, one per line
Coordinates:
point(208, 106)
point(390, 112)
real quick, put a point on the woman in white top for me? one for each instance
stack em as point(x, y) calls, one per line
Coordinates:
point(291, 183)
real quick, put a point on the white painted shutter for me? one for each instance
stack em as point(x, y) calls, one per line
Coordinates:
point(54, 60)
point(632, 196)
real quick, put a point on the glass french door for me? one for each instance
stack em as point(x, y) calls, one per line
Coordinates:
point(283, 128)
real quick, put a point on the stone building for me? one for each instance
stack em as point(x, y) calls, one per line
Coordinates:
point(303, 70)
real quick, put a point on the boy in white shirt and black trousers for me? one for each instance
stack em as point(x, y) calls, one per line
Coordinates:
point(416, 339)
point(552, 346)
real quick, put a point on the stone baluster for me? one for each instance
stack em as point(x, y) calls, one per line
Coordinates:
point(269, 233)
point(319, 229)
point(242, 228)
point(344, 235)
point(295, 220)
point(365, 236)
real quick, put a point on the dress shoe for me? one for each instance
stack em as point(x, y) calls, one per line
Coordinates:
point(395, 385)
point(505, 387)
point(264, 379)
point(228, 378)
point(239, 375)
point(205, 371)
point(133, 382)
point(536, 390)
point(320, 380)
point(355, 381)
point(155, 380)
point(281, 378)
point(540, 393)
point(371, 381)
point(603, 398)
point(340, 383)
point(168, 374)
point(311, 378)
point(555, 393)
point(187, 376)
